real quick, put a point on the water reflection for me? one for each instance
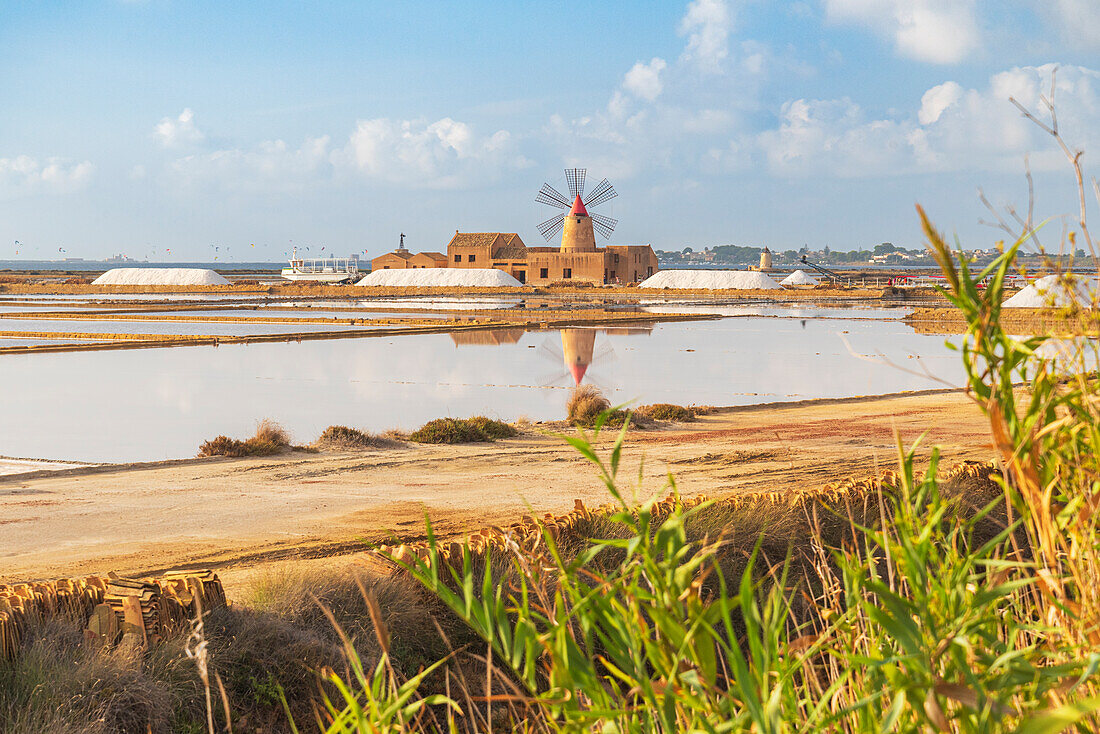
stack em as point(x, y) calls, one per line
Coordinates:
point(162, 403)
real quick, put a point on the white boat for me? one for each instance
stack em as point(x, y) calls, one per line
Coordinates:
point(323, 269)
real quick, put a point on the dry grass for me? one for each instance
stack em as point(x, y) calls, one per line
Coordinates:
point(666, 412)
point(343, 438)
point(586, 403)
point(270, 439)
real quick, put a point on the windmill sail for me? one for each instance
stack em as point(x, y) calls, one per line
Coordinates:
point(574, 177)
point(603, 192)
point(604, 225)
point(551, 225)
point(549, 195)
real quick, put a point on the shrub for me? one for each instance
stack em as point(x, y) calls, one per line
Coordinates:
point(493, 429)
point(270, 438)
point(342, 437)
point(666, 412)
point(449, 430)
point(585, 404)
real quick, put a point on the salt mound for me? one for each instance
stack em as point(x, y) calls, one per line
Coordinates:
point(799, 277)
point(160, 276)
point(711, 280)
point(1054, 291)
point(430, 277)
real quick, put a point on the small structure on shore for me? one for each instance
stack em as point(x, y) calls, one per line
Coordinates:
point(712, 280)
point(160, 276)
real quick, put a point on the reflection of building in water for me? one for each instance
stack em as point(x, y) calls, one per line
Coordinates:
point(487, 336)
point(578, 345)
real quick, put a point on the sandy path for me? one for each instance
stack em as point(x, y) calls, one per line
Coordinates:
point(238, 513)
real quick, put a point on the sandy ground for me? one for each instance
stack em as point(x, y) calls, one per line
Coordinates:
point(239, 514)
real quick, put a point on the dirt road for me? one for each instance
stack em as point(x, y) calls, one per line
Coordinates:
point(237, 513)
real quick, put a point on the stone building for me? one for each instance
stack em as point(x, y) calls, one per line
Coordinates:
point(577, 259)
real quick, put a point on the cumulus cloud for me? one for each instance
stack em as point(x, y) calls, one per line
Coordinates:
point(441, 154)
point(179, 132)
point(936, 31)
point(952, 129)
point(25, 174)
point(411, 153)
point(272, 164)
point(644, 80)
point(1078, 20)
point(707, 24)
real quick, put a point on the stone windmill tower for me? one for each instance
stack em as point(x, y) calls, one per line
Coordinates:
point(577, 225)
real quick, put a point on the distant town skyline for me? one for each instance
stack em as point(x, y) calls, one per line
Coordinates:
point(201, 130)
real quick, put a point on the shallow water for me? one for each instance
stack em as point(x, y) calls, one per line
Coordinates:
point(172, 328)
point(162, 403)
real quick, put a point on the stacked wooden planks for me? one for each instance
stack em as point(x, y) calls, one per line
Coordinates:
point(148, 609)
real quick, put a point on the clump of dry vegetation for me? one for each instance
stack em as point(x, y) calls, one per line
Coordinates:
point(343, 438)
point(666, 412)
point(270, 438)
point(587, 403)
point(478, 429)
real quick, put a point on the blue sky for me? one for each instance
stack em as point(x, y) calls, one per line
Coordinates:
point(165, 128)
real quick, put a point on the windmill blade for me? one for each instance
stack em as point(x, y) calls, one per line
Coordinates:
point(604, 191)
point(552, 225)
point(604, 225)
point(549, 195)
point(574, 178)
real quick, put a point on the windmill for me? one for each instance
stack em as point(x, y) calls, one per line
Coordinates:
point(577, 210)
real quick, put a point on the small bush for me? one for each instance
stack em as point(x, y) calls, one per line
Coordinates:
point(462, 430)
point(494, 429)
point(585, 404)
point(342, 437)
point(666, 412)
point(270, 439)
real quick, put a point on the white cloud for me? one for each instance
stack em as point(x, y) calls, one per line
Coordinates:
point(936, 100)
point(1078, 20)
point(179, 132)
point(644, 80)
point(25, 174)
point(952, 129)
point(936, 31)
point(707, 24)
point(411, 153)
point(442, 154)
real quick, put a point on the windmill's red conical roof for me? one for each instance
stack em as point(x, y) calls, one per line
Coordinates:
point(578, 209)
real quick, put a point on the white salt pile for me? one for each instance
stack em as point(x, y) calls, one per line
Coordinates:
point(434, 277)
point(160, 276)
point(1054, 291)
point(711, 280)
point(799, 277)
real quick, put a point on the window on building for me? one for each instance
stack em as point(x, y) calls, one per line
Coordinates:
point(648, 271)
point(544, 273)
point(458, 258)
point(616, 258)
point(567, 273)
point(612, 275)
point(472, 258)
